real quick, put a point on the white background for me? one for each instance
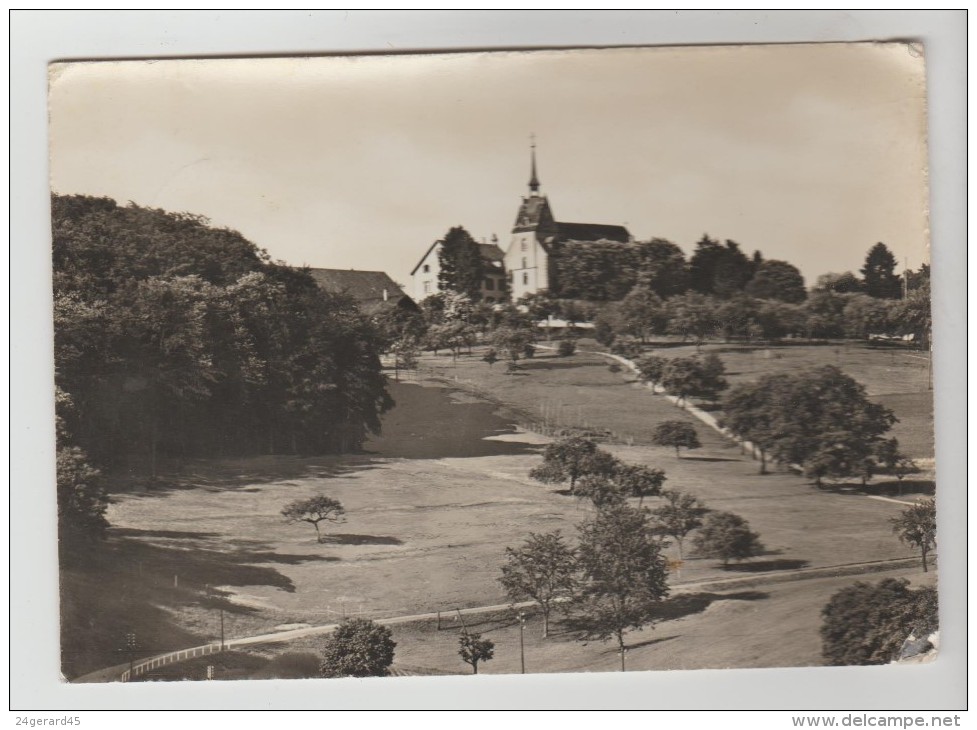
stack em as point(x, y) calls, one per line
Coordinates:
point(40, 37)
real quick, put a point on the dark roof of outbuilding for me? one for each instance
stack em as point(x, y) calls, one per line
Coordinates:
point(365, 287)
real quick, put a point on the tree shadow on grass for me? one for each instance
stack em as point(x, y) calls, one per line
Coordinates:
point(350, 539)
point(676, 607)
point(245, 474)
point(140, 581)
point(761, 566)
point(893, 488)
point(687, 457)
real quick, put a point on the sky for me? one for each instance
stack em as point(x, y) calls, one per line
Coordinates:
point(809, 153)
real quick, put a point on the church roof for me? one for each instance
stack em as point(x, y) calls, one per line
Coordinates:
point(370, 289)
point(591, 232)
point(532, 212)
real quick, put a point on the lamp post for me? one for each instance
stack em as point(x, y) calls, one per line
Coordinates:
point(522, 644)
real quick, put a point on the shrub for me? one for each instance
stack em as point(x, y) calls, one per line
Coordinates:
point(358, 648)
point(566, 348)
point(867, 623)
point(528, 350)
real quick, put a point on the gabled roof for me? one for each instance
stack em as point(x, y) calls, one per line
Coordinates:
point(490, 252)
point(534, 212)
point(591, 232)
point(370, 289)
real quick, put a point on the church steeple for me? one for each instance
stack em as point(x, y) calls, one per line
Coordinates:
point(533, 179)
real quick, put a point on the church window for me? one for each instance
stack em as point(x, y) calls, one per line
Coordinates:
point(524, 262)
point(523, 243)
point(427, 268)
point(525, 278)
point(427, 287)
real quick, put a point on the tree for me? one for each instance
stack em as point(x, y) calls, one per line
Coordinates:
point(512, 343)
point(623, 574)
point(651, 369)
point(81, 497)
point(712, 377)
point(844, 283)
point(571, 458)
point(680, 514)
point(717, 269)
point(916, 526)
point(462, 268)
point(472, 648)
point(894, 461)
point(820, 419)
point(638, 480)
point(542, 569)
point(727, 536)
point(865, 315)
point(682, 377)
point(593, 270)
point(358, 648)
point(566, 348)
point(867, 623)
point(878, 273)
point(825, 313)
point(406, 352)
point(314, 510)
point(692, 315)
point(777, 280)
point(677, 434)
point(599, 489)
point(913, 315)
point(661, 267)
point(641, 312)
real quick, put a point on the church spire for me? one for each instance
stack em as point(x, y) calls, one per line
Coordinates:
point(533, 179)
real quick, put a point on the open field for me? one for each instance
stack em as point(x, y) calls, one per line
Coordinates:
point(430, 510)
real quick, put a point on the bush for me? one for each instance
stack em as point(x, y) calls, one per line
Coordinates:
point(566, 348)
point(358, 648)
point(528, 350)
point(614, 367)
point(867, 623)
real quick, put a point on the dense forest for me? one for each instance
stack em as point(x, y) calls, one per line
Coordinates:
point(177, 339)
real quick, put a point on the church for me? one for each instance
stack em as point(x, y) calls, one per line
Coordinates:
point(537, 235)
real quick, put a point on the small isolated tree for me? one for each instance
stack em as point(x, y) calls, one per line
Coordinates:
point(727, 536)
point(542, 569)
point(512, 342)
point(867, 623)
point(571, 458)
point(491, 357)
point(358, 648)
point(623, 574)
point(472, 648)
point(677, 434)
point(916, 526)
point(680, 514)
point(314, 510)
point(638, 480)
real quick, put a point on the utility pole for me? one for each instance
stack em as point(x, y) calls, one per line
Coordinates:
point(522, 645)
point(131, 648)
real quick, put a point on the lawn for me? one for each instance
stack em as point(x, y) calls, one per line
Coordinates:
point(430, 509)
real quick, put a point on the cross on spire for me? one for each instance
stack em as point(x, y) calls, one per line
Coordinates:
point(533, 179)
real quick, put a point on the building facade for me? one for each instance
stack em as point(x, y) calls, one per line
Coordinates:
point(536, 236)
point(425, 274)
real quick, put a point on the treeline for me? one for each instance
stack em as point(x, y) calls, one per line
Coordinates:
point(177, 339)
